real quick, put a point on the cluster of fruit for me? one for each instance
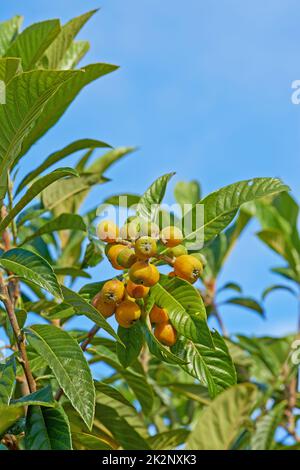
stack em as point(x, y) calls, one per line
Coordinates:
point(136, 248)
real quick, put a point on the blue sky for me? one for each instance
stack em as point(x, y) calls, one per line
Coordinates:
point(204, 89)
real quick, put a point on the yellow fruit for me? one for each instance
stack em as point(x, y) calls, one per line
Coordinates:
point(107, 309)
point(136, 291)
point(113, 291)
point(144, 273)
point(145, 248)
point(158, 315)
point(165, 333)
point(176, 251)
point(127, 313)
point(130, 231)
point(126, 257)
point(113, 253)
point(171, 236)
point(107, 231)
point(188, 267)
point(149, 229)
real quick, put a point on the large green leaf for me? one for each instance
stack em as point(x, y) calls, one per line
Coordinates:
point(9, 415)
point(82, 307)
point(56, 107)
point(42, 397)
point(220, 207)
point(56, 52)
point(7, 381)
point(55, 157)
point(266, 426)
point(133, 340)
point(47, 429)
point(33, 41)
point(32, 267)
point(66, 360)
point(148, 205)
point(8, 31)
point(26, 96)
point(187, 192)
point(62, 222)
point(9, 67)
point(185, 308)
point(213, 367)
point(74, 54)
point(221, 421)
point(168, 440)
point(34, 190)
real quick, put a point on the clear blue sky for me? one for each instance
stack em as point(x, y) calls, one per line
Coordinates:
point(204, 89)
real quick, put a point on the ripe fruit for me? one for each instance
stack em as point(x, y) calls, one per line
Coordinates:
point(107, 309)
point(144, 273)
point(165, 333)
point(107, 231)
point(171, 236)
point(136, 291)
point(127, 313)
point(158, 315)
point(176, 251)
point(188, 267)
point(149, 229)
point(145, 248)
point(113, 291)
point(112, 254)
point(130, 231)
point(126, 257)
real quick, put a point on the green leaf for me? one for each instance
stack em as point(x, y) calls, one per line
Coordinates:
point(223, 419)
point(74, 54)
point(221, 206)
point(56, 52)
point(9, 67)
point(47, 429)
point(123, 200)
point(185, 308)
point(34, 190)
point(148, 205)
point(7, 381)
point(187, 192)
point(72, 272)
point(8, 31)
point(213, 367)
point(62, 222)
point(42, 397)
point(133, 340)
point(275, 287)
point(59, 155)
point(32, 267)
point(9, 415)
point(56, 106)
point(246, 302)
point(28, 93)
point(82, 307)
point(83, 440)
point(168, 440)
point(231, 286)
point(33, 41)
point(266, 426)
point(66, 360)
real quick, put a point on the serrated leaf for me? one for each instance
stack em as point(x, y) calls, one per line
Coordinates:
point(213, 367)
point(32, 267)
point(56, 106)
point(222, 420)
point(47, 429)
point(34, 190)
point(185, 308)
point(168, 440)
point(148, 205)
point(59, 155)
point(81, 307)
point(62, 222)
point(31, 43)
point(28, 93)
point(220, 207)
point(7, 381)
point(66, 360)
point(133, 339)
